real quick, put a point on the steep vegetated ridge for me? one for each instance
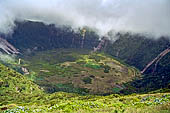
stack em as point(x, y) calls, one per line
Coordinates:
point(140, 51)
point(36, 36)
point(137, 50)
point(14, 86)
point(155, 77)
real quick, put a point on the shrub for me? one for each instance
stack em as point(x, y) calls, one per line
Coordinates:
point(87, 80)
point(93, 66)
point(116, 90)
point(106, 68)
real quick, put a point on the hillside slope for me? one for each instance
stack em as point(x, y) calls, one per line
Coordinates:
point(14, 87)
point(78, 71)
point(137, 50)
point(155, 78)
point(18, 94)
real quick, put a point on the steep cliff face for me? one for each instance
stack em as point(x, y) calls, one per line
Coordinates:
point(137, 50)
point(35, 36)
point(156, 77)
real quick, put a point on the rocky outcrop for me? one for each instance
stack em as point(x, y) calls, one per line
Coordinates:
point(7, 47)
point(25, 70)
point(103, 43)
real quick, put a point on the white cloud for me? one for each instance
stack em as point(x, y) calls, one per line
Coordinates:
point(138, 16)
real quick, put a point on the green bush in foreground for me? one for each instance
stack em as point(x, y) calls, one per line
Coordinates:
point(73, 103)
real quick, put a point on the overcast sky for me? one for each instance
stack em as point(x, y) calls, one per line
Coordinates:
point(138, 16)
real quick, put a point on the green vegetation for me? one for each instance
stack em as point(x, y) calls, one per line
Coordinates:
point(20, 95)
point(75, 67)
point(87, 80)
point(14, 86)
point(69, 103)
point(152, 81)
point(136, 50)
point(72, 80)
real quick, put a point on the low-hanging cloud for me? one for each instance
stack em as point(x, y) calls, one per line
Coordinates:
point(137, 16)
